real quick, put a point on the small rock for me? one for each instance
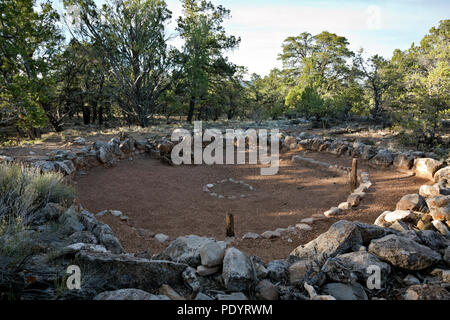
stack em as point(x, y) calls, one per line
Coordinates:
point(250, 235)
point(80, 141)
point(265, 290)
point(399, 226)
point(333, 212)
point(115, 213)
point(191, 280)
point(232, 296)
point(270, 234)
point(128, 294)
point(354, 199)
point(168, 291)
point(410, 280)
point(344, 206)
point(278, 270)
point(304, 227)
point(202, 296)
point(161, 237)
point(307, 220)
point(207, 271)
point(298, 271)
point(102, 213)
point(441, 227)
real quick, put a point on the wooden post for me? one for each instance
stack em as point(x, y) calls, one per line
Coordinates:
point(354, 175)
point(229, 220)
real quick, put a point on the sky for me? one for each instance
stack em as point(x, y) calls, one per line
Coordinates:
point(378, 26)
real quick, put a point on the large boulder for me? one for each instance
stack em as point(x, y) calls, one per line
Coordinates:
point(165, 147)
point(107, 238)
point(342, 291)
point(414, 202)
point(186, 249)
point(399, 215)
point(277, 270)
point(66, 167)
point(120, 271)
point(342, 237)
point(305, 144)
point(316, 144)
point(114, 146)
point(299, 271)
point(404, 161)
point(369, 152)
point(265, 290)
point(129, 294)
point(358, 149)
point(51, 212)
point(441, 174)
point(127, 145)
point(212, 253)
point(371, 231)
point(426, 292)
point(427, 167)
point(237, 272)
point(384, 158)
point(433, 239)
point(338, 147)
point(69, 222)
point(439, 207)
point(104, 156)
point(45, 166)
point(83, 237)
point(404, 252)
point(441, 188)
point(356, 262)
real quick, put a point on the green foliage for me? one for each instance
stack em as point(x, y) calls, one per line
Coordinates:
point(307, 102)
point(420, 98)
point(321, 84)
point(30, 39)
point(202, 57)
point(130, 38)
point(24, 190)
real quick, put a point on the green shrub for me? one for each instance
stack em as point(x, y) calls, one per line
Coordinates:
point(24, 190)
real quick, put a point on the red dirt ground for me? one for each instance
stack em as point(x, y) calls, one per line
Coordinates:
point(170, 200)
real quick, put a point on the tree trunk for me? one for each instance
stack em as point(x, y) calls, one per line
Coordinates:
point(100, 115)
point(94, 112)
point(191, 109)
point(86, 115)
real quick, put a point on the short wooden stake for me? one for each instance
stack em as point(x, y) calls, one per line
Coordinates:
point(229, 220)
point(354, 175)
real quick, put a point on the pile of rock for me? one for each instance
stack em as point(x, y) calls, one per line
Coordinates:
point(84, 158)
point(423, 164)
point(209, 188)
point(427, 210)
point(336, 265)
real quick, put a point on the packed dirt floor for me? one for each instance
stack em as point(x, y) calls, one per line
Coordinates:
point(159, 198)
